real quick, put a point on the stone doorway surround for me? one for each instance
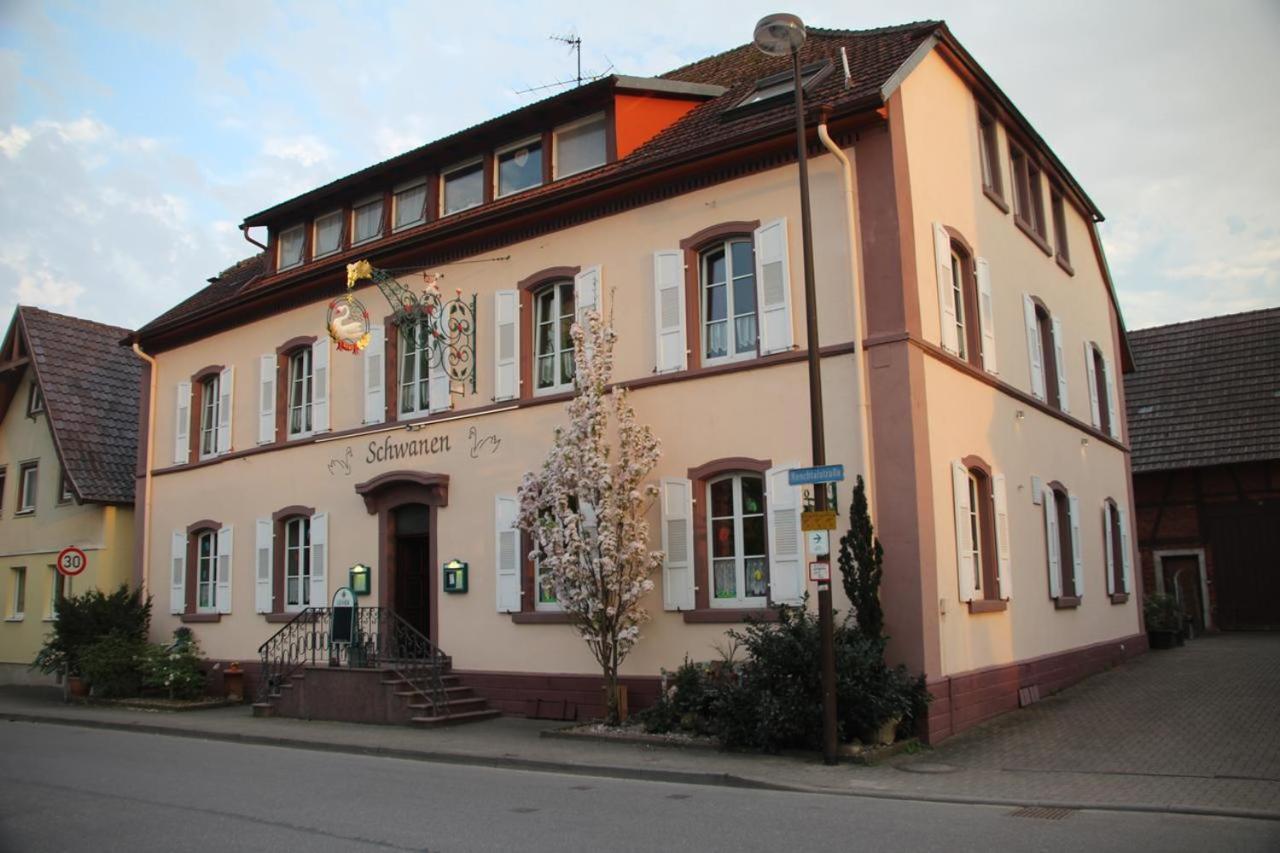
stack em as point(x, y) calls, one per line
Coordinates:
point(1159, 555)
point(382, 496)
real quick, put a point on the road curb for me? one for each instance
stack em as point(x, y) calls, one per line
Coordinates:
point(723, 780)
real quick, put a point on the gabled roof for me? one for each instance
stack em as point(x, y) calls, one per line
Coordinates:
point(1206, 392)
point(91, 388)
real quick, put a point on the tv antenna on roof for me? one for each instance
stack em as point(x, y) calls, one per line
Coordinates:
point(574, 42)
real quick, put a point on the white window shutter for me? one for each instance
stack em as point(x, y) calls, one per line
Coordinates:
point(507, 553)
point(986, 315)
point(1109, 557)
point(668, 311)
point(586, 291)
point(506, 345)
point(773, 287)
point(1126, 558)
point(319, 560)
point(375, 376)
point(964, 533)
point(226, 394)
point(226, 549)
point(1053, 543)
point(1091, 380)
point(267, 399)
point(677, 544)
point(320, 387)
point(1113, 411)
point(786, 557)
point(1034, 355)
point(263, 565)
point(439, 394)
point(182, 425)
point(947, 311)
point(178, 572)
point(1064, 401)
point(1004, 563)
point(1077, 559)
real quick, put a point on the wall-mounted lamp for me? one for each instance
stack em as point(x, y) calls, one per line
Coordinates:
point(360, 579)
point(1020, 415)
point(1084, 442)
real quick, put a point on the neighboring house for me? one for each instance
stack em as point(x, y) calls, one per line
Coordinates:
point(991, 349)
point(1204, 409)
point(68, 443)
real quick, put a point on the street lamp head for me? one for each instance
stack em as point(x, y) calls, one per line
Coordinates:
point(779, 34)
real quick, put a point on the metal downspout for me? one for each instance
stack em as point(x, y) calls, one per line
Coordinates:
point(151, 445)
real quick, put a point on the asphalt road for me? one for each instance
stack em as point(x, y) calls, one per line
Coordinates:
point(72, 789)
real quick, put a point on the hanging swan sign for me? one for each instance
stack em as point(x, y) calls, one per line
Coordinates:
point(348, 323)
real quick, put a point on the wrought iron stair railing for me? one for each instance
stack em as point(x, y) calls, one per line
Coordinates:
point(381, 639)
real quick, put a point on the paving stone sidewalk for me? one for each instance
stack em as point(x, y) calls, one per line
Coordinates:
point(1191, 730)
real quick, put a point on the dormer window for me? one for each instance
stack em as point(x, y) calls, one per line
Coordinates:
point(328, 236)
point(780, 84)
point(580, 146)
point(409, 204)
point(291, 240)
point(519, 166)
point(366, 220)
point(463, 187)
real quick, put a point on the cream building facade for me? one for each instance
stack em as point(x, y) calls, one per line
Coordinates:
point(68, 436)
point(959, 281)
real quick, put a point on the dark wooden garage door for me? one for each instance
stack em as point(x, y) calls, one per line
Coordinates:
point(1245, 539)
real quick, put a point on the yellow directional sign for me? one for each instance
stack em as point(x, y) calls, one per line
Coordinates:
point(818, 520)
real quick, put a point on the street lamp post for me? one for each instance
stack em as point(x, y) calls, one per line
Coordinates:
point(782, 35)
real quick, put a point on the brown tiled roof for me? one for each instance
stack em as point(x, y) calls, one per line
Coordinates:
point(91, 389)
point(1205, 392)
point(874, 56)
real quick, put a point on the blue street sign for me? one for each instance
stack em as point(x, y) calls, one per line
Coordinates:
point(822, 474)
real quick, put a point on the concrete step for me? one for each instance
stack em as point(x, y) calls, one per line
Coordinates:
point(473, 703)
point(451, 692)
point(456, 719)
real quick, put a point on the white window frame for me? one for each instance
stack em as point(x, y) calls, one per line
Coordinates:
point(65, 494)
point(740, 558)
point(957, 290)
point(401, 189)
point(444, 185)
point(35, 399)
point(4, 484)
point(600, 117)
point(302, 552)
point(378, 199)
point(552, 606)
point(506, 149)
point(414, 346)
point(210, 414)
point(315, 234)
point(59, 588)
point(27, 497)
point(17, 593)
point(975, 530)
point(207, 563)
point(558, 352)
point(301, 230)
point(730, 321)
point(307, 392)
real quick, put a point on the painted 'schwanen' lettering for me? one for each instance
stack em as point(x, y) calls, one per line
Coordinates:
point(387, 451)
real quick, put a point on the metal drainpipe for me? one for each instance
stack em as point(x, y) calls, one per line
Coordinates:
point(244, 230)
point(859, 307)
point(151, 445)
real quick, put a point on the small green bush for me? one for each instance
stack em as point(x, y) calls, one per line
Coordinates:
point(685, 703)
point(175, 669)
point(1162, 612)
point(113, 665)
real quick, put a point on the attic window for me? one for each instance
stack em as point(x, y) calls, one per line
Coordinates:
point(291, 247)
point(776, 85)
point(520, 166)
point(35, 400)
point(328, 237)
point(463, 187)
point(580, 145)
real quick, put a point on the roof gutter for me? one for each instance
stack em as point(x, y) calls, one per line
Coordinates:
point(244, 230)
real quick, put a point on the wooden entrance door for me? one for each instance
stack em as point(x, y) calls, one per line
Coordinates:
point(1245, 542)
point(412, 598)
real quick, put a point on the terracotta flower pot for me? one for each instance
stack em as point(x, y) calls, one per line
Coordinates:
point(77, 687)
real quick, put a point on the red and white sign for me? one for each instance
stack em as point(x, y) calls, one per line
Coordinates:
point(820, 572)
point(71, 561)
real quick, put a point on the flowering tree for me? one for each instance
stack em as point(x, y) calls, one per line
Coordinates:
point(585, 510)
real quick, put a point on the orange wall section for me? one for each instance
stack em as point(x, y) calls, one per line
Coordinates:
point(640, 118)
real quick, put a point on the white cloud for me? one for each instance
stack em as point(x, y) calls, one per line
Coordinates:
point(14, 140)
point(39, 287)
point(306, 151)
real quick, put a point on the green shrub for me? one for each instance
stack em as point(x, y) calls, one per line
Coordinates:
point(860, 560)
point(175, 669)
point(82, 620)
point(686, 701)
point(1162, 612)
point(114, 664)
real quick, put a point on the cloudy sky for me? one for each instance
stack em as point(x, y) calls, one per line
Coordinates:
point(135, 136)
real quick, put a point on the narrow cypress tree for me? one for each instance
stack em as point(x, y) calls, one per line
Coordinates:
point(860, 559)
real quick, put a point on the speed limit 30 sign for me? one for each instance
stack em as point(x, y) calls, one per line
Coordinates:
point(71, 561)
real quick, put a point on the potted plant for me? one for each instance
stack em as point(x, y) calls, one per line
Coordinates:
point(1164, 620)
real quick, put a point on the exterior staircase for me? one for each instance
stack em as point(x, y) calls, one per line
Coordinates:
point(390, 673)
